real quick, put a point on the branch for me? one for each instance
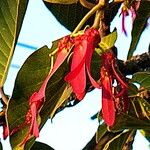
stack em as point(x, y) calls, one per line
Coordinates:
point(135, 64)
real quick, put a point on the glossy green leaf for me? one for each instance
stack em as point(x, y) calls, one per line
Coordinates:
point(71, 15)
point(126, 121)
point(11, 17)
point(143, 78)
point(62, 1)
point(41, 146)
point(64, 96)
point(107, 42)
point(121, 141)
point(139, 25)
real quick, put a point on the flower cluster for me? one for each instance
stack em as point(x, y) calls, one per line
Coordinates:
point(114, 98)
point(114, 89)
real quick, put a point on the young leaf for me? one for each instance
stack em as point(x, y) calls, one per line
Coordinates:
point(62, 1)
point(11, 17)
point(108, 41)
point(143, 78)
point(139, 25)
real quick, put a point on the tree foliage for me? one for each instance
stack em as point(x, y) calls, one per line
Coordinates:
point(57, 77)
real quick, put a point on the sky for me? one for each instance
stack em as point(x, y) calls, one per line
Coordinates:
point(72, 128)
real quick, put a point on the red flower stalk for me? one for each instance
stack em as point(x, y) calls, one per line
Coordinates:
point(37, 98)
point(82, 54)
point(112, 94)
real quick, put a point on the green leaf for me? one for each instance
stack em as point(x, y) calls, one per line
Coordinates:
point(103, 136)
point(41, 146)
point(139, 25)
point(143, 78)
point(62, 1)
point(68, 15)
point(29, 79)
point(71, 15)
point(145, 108)
point(101, 131)
point(126, 121)
point(107, 42)
point(121, 141)
point(11, 17)
point(64, 96)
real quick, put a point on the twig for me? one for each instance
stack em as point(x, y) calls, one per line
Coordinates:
point(135, 64)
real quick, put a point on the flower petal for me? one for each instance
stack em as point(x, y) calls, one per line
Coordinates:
point(64, 48)
point(34, 129)
point(77, 76)
point(108, 104)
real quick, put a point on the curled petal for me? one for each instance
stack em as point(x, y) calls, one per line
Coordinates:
point(108, 104)
point(34, 129)
point(77, 76)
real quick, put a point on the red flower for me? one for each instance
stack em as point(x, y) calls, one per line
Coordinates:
point(37, 98)
point(114, 98)
point(81, 60)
